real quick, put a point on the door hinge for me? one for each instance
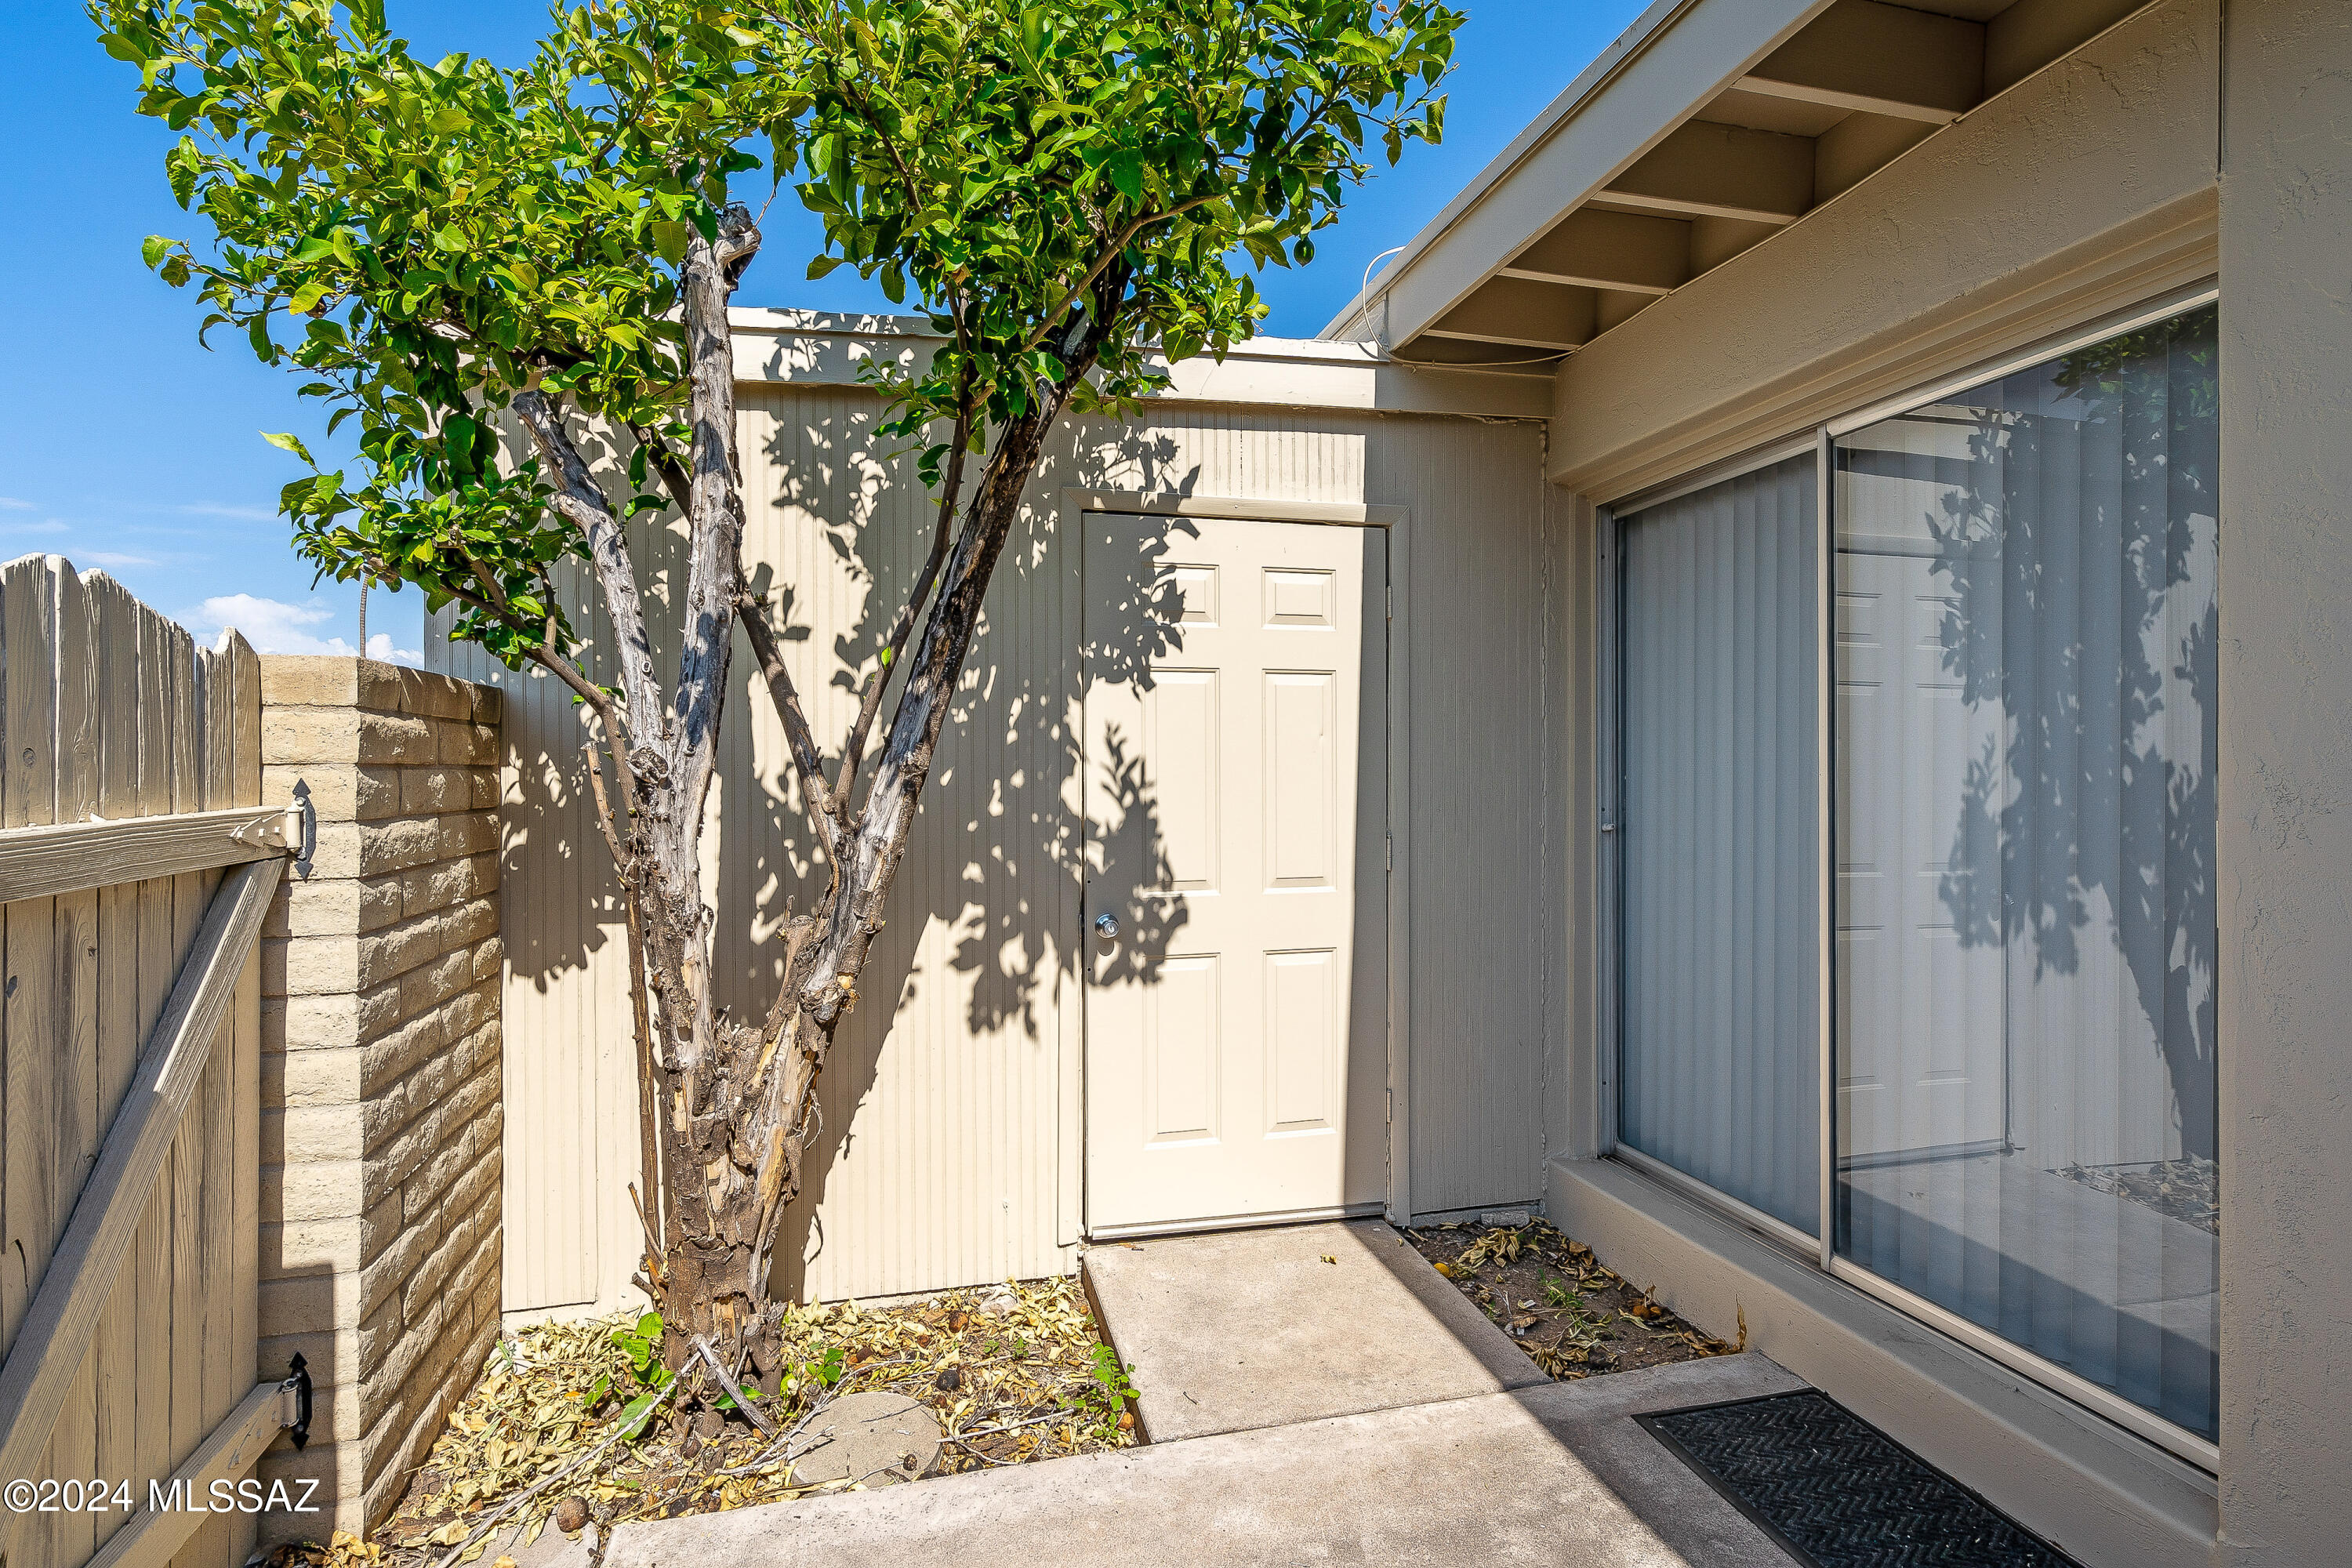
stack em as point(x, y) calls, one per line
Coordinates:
point(1391, 842)
point(1392, 601)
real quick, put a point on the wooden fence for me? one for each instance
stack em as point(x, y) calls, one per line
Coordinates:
point(136, 865)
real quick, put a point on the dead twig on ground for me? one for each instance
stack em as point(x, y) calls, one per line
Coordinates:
point(734, 1391)
point(622, 1428)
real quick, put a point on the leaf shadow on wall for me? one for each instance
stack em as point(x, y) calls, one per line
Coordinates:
point(978, 962)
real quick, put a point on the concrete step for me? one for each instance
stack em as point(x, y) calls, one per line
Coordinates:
point(1243, 1329)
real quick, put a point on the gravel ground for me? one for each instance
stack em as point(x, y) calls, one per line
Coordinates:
point(1013, 1372)
point(1573, 1317)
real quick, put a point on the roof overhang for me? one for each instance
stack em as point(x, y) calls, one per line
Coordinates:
point(1708, 127)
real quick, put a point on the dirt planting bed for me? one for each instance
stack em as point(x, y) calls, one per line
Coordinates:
point(1574, 1318)
point(580, 1413)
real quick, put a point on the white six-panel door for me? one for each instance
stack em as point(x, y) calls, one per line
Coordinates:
point(1236, 812)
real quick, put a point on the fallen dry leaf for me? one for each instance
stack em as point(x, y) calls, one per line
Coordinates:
point(1026, 1384)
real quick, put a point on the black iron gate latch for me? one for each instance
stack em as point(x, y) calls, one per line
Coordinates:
point(294, 1401)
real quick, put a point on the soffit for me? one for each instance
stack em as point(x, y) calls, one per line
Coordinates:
point(1709, 126)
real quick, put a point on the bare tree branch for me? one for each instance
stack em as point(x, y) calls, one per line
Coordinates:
point(666, 464)
point(707, 280)
point(584, 506)
point(870, 704)
point(1110, 253)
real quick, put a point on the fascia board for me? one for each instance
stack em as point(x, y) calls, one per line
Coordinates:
point(1604, 65)
point(1620, 109)
point(803, 348)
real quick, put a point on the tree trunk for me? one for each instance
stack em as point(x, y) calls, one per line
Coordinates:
point(737, 1099)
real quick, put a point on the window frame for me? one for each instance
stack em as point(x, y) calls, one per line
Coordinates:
point(1609, 868)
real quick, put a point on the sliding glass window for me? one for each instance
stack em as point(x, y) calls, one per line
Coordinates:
point(2022, 747)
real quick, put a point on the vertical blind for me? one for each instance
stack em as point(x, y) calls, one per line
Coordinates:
point(1719, 1068)
point(2023, 756)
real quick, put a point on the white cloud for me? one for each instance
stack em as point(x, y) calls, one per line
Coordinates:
point(272, 625)
point(110, 559)
point(10, 503)
point(50, 526)
point(379, 646)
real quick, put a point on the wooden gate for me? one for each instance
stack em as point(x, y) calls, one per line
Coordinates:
point(136, 865)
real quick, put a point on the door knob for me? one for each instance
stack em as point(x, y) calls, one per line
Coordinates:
point(1107, 926)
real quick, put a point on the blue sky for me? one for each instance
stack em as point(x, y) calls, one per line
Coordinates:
point(125, 445)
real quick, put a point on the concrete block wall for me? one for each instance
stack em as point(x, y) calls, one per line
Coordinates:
point(381, 1103)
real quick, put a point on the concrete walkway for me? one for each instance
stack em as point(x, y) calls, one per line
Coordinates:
point(1556, 1474)
point(1359, 1410)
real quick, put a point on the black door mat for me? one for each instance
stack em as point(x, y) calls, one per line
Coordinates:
point(1839, 1493)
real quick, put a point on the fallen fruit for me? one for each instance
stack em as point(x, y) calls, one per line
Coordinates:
point(572, 1514)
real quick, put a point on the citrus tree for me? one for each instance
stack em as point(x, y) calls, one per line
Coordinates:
point(1072, 191)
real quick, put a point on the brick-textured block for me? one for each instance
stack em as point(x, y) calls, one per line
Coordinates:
point(436, 789)
point(340, 792)
point(345, 735)
point(469, 745)
point(315, 1189)
point(297, 681)
point(435, 695)
point(430, 984)
point(382, 1122)
point(469, 832)
point(399, 844)
point(329, 1076)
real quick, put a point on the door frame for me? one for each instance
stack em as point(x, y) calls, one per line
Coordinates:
point(1074, 503)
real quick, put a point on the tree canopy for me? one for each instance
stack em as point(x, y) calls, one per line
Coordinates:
point(1072, 191)
point(425, 239)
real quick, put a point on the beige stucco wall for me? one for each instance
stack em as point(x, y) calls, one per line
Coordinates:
point(2285, 849)
point(2201, 138)
point(952, 1137)
point(381, 1093)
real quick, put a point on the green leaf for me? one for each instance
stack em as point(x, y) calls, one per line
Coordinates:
point(1125, 172)
point(287, 443)
point(154, 248)
point(180, 166)
point(669, 239)
point(638, 1412)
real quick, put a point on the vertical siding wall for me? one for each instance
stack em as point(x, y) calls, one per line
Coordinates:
point(950, 1141)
